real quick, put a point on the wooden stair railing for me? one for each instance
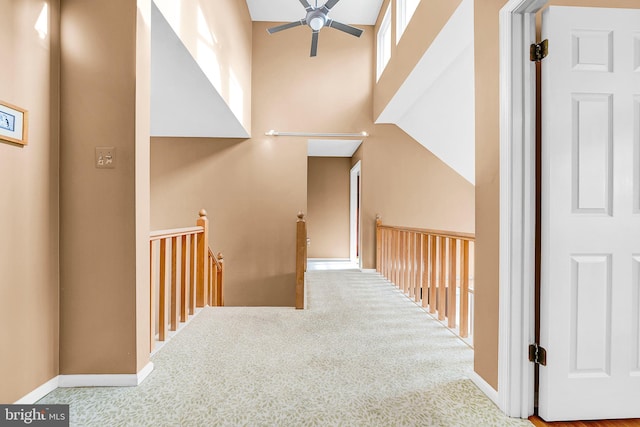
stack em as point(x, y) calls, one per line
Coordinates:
point(433, 268)
point(189, 276)
point(301, 259)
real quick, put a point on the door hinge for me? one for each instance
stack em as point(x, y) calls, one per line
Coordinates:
point(539, 51)
point(537, 354)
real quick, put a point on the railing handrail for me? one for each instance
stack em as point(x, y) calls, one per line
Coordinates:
point(174, 232)
point(441, 233)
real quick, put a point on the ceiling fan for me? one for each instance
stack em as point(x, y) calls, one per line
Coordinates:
point(316, 19)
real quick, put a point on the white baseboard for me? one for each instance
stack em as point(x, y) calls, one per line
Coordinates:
point(101, 380)
point(484, 387)
point(368, 270)
point(38, 393)
point(144, 372)
point(105, 380)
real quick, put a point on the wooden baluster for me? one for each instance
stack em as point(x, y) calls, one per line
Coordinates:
point(162, 309)
point(403, 260)
point(394, 265)
point(412, 273)
point(390, 255)
point(152, 301)
point(385, 254)
point(464, 289)
point(425, 270)
point(214, 280)
point(174, 285)
point(301, 243)
point(203, 265)
point(433, 270)
point(414, 266)
point(192, 274)
point(399, 261)
point(417, 277)
point(408, 266)
point(442, 285)
point(453, 286)
point(219, 293)
point(183, 279)
point(408, 273)
point(396, 261)
point(210, 279)
point(378, 244)
point(383, 248)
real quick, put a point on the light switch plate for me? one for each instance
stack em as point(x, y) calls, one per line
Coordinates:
point(105, 157)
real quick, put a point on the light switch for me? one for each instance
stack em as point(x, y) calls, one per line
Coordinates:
point(105, 157)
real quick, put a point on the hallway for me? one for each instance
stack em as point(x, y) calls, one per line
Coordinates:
point(361, 354)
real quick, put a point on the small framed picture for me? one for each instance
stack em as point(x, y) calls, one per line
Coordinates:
point(13, 123)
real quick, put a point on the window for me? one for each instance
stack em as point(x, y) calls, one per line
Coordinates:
point(404, 11)
point(384, 42)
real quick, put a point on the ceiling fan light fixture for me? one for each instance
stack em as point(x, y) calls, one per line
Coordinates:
point(316, 23)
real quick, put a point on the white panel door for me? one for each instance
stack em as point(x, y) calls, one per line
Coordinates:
point(590, 272)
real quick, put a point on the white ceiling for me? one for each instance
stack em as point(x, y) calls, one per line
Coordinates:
point(333, 147)
point(355, 12)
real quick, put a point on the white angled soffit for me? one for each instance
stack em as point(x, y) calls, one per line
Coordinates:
point(333, 147)
point(436, 103)
point(184, 102)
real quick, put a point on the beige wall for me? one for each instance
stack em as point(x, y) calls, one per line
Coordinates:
point(426, 23)
point(218, 36)
point(102, 262)
point(408, 186)
point(487, 179)
point(29, 202)
point(328, 182)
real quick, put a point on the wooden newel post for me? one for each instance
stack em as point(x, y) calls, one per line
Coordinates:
point(202, 264)
point(301, 259)
point(378, 244)
point(220, 301)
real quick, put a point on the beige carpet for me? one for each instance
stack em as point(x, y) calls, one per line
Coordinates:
point(362, 354)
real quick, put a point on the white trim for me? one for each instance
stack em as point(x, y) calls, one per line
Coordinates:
point(368, 270)
point(37, 394)
point(105, 380)
point(99, 380)
point(484, 387)
point(354, 219)
point(517, 207)
point(144, 372)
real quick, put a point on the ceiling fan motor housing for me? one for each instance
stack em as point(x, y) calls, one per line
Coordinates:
point(316, 19)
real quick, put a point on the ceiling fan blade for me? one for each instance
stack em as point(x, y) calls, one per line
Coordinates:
point(306, 5)
point(314, 44)
point(286, 26)
point(344, 27)
point(329, 4)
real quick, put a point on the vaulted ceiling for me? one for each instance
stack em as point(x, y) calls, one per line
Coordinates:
point(355, 12)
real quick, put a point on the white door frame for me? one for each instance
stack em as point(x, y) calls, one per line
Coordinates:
point(517, 207)
point(354, 218)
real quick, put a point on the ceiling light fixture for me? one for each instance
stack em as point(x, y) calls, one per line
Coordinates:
point(314, 135)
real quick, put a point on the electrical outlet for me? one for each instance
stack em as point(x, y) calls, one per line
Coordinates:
point(105, 157)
